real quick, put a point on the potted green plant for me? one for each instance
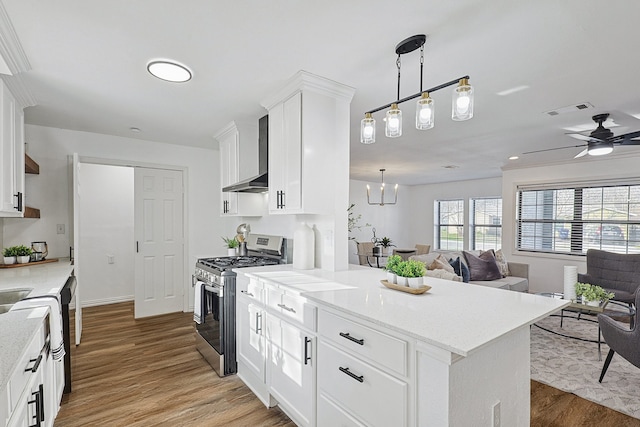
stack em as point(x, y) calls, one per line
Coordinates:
point(23, 254)
point(9, 255)
point(410, 273)
point(385, 243)
point(391, 267)
point(592, 294)
point(231, 244)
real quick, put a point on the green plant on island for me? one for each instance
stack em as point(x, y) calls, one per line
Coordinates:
point(590, 292)
point(410, 268)
point(392, 263)
point(9, 252)
point(231, 242)
point(23, 250)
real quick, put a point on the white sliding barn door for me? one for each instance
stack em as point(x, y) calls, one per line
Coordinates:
point(159, 264)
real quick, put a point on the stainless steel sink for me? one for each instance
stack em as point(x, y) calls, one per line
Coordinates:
point(12, 296)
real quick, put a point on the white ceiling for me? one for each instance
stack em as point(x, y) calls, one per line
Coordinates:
point(89, 59)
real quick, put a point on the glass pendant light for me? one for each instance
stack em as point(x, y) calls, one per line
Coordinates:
point(393, 127)
point(368, 129)
point(462, 102)
point(424, 112)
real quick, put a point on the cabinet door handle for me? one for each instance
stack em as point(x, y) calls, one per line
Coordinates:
point(41, 393)
point(350, 338)
point(137, 247)
point(249, 294)
point(282, 200)
point(258, 323)
point(289, 309)
point(307, 357)
point(18, 195)
point(359, 378)
point(35, 366)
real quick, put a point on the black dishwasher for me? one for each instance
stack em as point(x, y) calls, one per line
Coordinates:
point(66, 295)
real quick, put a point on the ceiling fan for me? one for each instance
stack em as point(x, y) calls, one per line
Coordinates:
point(600, 141)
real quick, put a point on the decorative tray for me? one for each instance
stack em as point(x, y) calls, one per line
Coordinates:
point(416, 291)
point(30, 263)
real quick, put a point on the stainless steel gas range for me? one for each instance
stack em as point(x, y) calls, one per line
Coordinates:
point(215, 279)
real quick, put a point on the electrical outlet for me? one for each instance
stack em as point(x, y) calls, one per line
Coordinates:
point(496, 414)
point(60, 228)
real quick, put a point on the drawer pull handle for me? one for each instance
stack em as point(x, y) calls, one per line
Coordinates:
point(358, 378)
point(35, 366)
point(350, 338)
point(258, 323)
point(284, 307)
point(249, 294)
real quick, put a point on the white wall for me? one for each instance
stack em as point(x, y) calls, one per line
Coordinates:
point(546, 270)
point(106, 229)
point(49, 191)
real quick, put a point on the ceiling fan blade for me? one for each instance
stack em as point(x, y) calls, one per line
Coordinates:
point(552, 149)
point(582, 137)
point(582, 153)
point(628, 139)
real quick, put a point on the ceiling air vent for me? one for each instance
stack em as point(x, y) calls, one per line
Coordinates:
point(569, 109)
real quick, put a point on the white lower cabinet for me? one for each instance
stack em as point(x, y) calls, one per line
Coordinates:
point(291, 369)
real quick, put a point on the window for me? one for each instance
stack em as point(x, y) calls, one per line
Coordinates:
point(486, 223)
point(573, 219)
point(450, 224)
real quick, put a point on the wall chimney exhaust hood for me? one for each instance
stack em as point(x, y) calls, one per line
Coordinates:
point(260, 182)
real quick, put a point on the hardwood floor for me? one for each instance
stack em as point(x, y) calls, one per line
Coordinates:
point(147, 372)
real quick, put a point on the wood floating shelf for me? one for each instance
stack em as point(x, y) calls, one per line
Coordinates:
point(29, 264)
point(30, 166)
point(31, 212)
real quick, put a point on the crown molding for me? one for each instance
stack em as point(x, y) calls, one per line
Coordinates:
point(22, 93)
point(10, 48)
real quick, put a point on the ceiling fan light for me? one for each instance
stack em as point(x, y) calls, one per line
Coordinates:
point(368, 129)
point(462, 101)
point(600, 149)
point(425, 112)
point(393, 126)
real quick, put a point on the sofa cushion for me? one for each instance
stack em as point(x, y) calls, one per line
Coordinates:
point(503, 265)
point(441, 263)
point(426, 259)
point(512, 283)
point(442, 274)
point(460, 269)
point(482, 267)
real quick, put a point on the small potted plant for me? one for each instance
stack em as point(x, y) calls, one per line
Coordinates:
point(391, 267)
point(23, 254)
point(9, 255)
point(385, 243)
point(232, 245)
point(593, 295)
point(410, 273)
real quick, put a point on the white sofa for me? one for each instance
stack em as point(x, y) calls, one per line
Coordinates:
point(517, 280)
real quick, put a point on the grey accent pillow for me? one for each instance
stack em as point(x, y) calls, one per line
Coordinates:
point(483, 267)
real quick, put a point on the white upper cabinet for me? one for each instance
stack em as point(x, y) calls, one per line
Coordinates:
point(11, 155)
point(238, 160)
point(308, 143)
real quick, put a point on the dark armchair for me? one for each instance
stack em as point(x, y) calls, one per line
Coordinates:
point(617, 273)
point(620, 339)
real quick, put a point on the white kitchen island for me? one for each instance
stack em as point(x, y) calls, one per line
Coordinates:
point(457, 355)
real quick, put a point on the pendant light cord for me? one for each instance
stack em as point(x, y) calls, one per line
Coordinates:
point(421, 65)
point(398, 65)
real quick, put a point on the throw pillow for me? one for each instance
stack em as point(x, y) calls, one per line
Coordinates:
point(460, 269)
point(503, 265)
point(441, 263)
point(482, 267)
point(441, 274)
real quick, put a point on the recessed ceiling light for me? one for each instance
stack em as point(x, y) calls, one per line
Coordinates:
point(513, 90)
point(514, 158)
point(134, 129)
point(169, 71)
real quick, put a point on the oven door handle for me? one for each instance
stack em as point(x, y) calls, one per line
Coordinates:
point(214, 289)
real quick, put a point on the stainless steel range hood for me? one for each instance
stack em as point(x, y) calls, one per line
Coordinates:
point(260, 182)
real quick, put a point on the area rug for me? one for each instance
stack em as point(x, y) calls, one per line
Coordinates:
point(573, 366)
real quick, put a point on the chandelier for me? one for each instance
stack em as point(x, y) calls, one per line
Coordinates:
point(382, 202)
point(461, 106)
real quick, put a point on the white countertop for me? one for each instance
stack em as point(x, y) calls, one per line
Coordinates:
point(17, 328)
point(458, 317)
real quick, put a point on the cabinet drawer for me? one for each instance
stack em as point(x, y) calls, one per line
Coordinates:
point(330, 414)
point(369, 394)
point(292, 307)
point(389, 351)
point(251, 288)
point(23, 372)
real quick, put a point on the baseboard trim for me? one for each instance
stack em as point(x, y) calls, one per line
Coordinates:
point(104, 301)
